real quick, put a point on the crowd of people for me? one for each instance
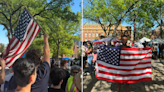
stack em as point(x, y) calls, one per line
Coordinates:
point(90, 52)
point(33, 74)
point(36, 74)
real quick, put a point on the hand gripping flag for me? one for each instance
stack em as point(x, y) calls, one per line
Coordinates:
point(124, 65)
point(23, 37)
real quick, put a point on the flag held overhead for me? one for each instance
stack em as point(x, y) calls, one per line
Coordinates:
point(24, 34)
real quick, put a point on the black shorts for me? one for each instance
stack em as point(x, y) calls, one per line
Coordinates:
point(85, 58)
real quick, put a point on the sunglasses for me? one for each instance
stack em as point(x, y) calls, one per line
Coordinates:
point(75, 72)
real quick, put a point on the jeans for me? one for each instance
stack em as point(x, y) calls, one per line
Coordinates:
point(160, 54)
point(89, 60)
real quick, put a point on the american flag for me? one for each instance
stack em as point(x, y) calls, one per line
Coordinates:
point(124, 65)
point(23, 37)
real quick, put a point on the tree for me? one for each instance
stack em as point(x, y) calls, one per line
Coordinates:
point(62, 35)
point(143, 31)
point(108, 12)
point(149, 14)
point(41, 10)
point(61, 31)
point(2, 47)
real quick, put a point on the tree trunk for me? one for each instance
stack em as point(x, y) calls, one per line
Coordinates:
point(58, 49)
point(8, 35)
point(115, 29)
point(161, 31)
point(109, 29)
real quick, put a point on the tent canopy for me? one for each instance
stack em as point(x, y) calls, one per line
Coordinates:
point(94, 40)
point(88, 41)
point(66, 58)
point(144, 39)
point(108, 39)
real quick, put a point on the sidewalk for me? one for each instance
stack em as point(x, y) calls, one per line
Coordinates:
point(91, 84)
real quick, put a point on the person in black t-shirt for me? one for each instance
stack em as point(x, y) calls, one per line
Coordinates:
point(43, 70)
point(161, 47)
point(64, 65)
point(57, 76)
point(144, 44)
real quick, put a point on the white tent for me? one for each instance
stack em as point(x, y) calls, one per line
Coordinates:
point(144, 39)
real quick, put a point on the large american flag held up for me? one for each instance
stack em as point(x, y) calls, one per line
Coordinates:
point(124, 65)
point(23, 37)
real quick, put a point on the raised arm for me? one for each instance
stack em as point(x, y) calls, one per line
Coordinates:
point(46, 56)
point(89, 50)
point(2, 73)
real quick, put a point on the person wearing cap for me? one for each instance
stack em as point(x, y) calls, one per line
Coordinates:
point(64, 66)
point(71, 83)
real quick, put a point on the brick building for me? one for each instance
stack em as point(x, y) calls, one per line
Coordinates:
point(92, 31)
point(75, 50)
point(156, 32)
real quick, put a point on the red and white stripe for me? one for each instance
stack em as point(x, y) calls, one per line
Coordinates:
point(16, 49)
point(135, 66)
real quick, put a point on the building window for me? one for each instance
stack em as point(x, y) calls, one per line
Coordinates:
point(110, 34)
point(89, 34)
point(93, 27)
point(97, 34)
point(117, 34)
point(85, 34)
point(89, 27)
point(89, 39)
point(85, 39)
point(96, 27)
point(93, 34)
point(101, 33)
point(85, 27)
